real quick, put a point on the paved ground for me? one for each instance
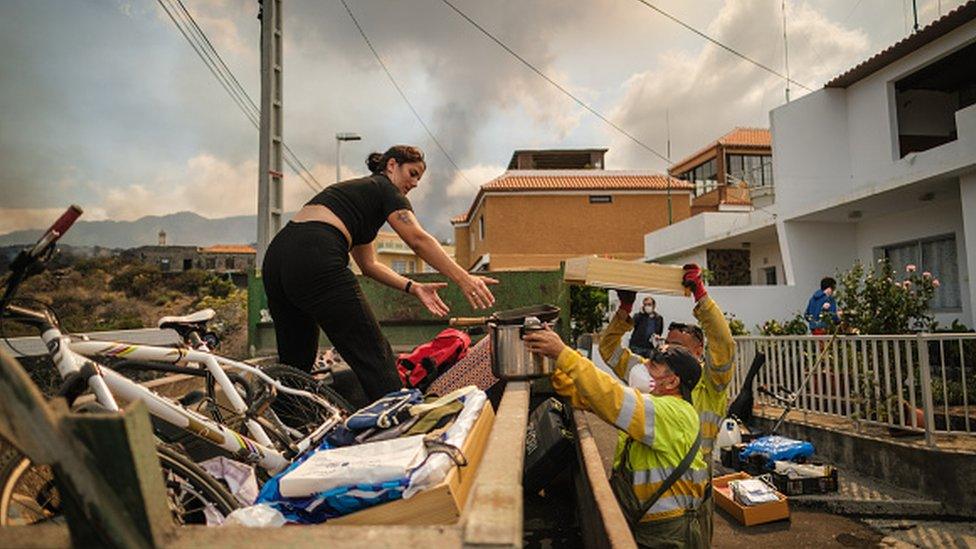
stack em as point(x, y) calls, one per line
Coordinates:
point(823, 521)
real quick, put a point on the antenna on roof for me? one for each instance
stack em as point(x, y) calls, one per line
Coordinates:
point(786, 52)
point(915, 12)
point(667, 126)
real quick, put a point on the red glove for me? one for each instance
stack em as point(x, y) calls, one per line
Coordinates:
point(627, 299)
point(692, 280)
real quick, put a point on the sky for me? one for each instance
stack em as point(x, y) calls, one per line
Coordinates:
point(103, 103)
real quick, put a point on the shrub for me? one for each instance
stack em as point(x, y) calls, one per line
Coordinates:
point(794, 326)
point(588, 310)
point(736, 326)
point(875, 301)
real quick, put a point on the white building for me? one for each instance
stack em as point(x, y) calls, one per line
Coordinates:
point(881, 162)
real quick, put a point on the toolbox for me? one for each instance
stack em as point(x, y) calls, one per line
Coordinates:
point(549, 445)
point(805, 486)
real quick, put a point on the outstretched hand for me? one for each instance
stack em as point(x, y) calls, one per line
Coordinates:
point(476, 291)
point(427, 294)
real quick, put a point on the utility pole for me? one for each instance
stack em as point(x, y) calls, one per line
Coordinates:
point(270, 195)
point(340, 137)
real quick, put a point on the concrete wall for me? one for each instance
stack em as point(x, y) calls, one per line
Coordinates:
point(764, 255)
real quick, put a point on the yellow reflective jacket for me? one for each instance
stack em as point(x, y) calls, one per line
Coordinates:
point(654, 420)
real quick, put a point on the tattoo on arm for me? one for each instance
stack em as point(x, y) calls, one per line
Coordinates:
point(404, 217)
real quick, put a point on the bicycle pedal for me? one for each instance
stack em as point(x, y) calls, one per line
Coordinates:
point(191, 398)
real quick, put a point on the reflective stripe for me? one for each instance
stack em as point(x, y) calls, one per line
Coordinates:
point(710, 417)
point(626, 410)
point(659, 474)
point(615, 357)
point(721, 368)
point(671, 503)
point(648, 421)
point(631, 362)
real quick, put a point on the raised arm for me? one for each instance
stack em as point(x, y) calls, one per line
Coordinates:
point(721, 347)
point(475, 288)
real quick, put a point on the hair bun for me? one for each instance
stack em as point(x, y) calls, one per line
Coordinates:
point(375, 163)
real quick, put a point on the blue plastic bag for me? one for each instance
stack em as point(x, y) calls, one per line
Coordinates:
point(777, 448)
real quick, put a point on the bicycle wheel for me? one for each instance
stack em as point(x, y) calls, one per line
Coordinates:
point(29, 493)
point(297, 412)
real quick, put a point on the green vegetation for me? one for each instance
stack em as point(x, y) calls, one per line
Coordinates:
point(114, 293)
point(588, 310)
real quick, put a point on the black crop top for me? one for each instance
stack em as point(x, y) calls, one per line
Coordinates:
point(363, 204)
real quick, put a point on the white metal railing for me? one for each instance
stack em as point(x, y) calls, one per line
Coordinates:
point(917, 382)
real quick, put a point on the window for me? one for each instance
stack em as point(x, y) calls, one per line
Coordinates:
point(729, 267)
point(211, 264)
point(400, 266)
point(926, 101)
point(937, 256)
point(229, 263)
point(164, 264)
point(756, 170)
point(187, 264)
point(481, 227)
point(601, 199)
point(769, 275)
point(703, 176)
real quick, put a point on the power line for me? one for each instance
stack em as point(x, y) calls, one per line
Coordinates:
point(729, 49)
point(204, 49)
point(555, 84)
point(404, 95)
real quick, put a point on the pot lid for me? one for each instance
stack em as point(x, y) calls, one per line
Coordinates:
point(545, 313)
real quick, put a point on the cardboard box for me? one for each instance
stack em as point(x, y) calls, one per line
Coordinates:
point(443, 503)
point(626, 275)
point(751, 515)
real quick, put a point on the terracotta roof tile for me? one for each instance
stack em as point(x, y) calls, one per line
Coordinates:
point(229, 249)
point(576, 180)
point(747, 137)
point(739, 137)
point(936, 29)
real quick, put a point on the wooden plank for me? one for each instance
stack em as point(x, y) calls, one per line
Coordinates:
point(493, 515)
point(626, 275)
point(442, 504)
point(607, 526)
point(37, 428)
point(317, 536)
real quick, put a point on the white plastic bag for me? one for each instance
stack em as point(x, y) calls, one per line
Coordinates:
point(261, 515)
point(239, 477)
point(366, 463)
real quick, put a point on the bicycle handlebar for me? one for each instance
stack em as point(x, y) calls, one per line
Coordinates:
point(56, 230)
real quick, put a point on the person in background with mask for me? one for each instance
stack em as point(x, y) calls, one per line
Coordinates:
point(647, 325)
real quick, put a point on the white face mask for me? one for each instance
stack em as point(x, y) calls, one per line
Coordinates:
point(648, 309)
point(639, 378)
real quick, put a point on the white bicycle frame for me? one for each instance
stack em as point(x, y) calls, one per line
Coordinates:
point(106, 384)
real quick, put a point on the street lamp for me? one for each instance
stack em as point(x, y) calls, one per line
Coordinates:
point(340, 137)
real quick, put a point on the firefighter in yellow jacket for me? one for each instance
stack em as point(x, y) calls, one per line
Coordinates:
point(660, 422)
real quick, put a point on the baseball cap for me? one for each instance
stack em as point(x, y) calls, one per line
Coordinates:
point(682, 363)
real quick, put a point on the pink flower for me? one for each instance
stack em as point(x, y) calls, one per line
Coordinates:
point(826, 306)
point(910, 268)
point(936, 283)
point(907, 284)
point(927, 274)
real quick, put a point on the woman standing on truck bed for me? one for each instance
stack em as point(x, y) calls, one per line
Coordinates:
point(309, 285)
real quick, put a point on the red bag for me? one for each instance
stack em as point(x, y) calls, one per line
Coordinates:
point(419, 368)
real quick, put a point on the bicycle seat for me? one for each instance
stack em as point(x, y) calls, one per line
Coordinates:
point(192, 320)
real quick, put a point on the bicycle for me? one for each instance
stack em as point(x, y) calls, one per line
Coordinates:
point(76, 364)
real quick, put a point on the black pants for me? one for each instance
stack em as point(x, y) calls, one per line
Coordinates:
point(309, 286)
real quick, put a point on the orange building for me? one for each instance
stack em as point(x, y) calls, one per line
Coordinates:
point(729, 172)
point(534, 219)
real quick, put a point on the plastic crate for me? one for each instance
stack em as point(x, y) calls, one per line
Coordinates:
point(806, 486)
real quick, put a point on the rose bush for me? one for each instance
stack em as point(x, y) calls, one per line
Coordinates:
point(881, 300)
